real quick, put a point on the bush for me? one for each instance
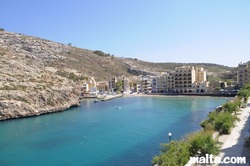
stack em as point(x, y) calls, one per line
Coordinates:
point(230, 107)
point(202, 143)
point(100, 53)
point(71, 76)
point(174, 153)
point(244, 93)
point(224, 122)
point(219, 121)
point(206, 125)
point(178, 152)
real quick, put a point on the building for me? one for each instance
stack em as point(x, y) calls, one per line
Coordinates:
point(125, 85)
point(170, 82)
point(102, 86)
point(200, 75)
point(146, 84)
point(243, 74)
point(138, 88)
point(185, 79)
point(112, 84)
point(88, 88)
point(202, 87)
point(190, 79)
point(159, 84)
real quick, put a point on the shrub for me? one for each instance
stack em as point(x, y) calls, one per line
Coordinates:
point(174, 153)
point(206, 125)
point(71, 76)
point(100, 53)
point(178, 152)
point(224, 122)
point(202, 143)
point(230, 107)
point(244, 93)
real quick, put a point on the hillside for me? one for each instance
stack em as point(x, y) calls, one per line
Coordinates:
point(212, 69)
point(39, 76)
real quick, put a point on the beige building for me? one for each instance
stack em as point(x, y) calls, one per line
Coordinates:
point(200, 75)
point(243, 74)
point(190, 79)
point(102, 86)
point(185, 79)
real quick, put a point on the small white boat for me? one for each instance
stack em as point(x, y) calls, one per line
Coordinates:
point(118, 108)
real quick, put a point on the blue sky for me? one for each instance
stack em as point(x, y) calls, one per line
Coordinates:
point(210, 31)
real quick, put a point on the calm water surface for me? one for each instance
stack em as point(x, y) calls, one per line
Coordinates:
point(98, 134)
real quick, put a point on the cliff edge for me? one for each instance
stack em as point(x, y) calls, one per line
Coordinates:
point(29, 85)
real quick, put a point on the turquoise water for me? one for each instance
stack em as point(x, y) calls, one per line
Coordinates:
point(98, 134)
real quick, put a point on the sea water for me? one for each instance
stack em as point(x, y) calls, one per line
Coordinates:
point(127, 131)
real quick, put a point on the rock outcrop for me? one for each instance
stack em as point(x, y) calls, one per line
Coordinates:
point(29, 86)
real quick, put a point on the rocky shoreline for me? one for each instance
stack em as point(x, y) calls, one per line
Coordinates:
point(11, 109)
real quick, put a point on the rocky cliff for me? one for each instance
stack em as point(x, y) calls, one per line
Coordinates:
point(29, 85)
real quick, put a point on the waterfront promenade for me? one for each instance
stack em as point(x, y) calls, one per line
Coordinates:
point(233, 144)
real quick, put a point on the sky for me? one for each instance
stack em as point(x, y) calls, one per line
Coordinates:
point(182, 31)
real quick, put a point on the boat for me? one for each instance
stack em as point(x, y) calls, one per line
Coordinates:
point(95, 101)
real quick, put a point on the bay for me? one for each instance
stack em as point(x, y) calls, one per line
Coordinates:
point(125, 131)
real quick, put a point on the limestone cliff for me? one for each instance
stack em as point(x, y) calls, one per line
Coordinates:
point(28, 84)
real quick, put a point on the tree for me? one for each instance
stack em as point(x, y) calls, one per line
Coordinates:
point(119, 86)
point(1, 29)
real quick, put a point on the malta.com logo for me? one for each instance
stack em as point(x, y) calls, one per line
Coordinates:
point(210, 159)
